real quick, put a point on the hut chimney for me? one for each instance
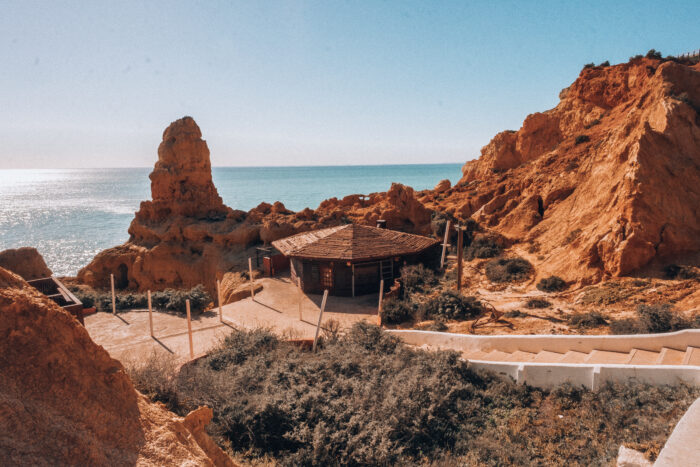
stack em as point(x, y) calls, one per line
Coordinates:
point(381, 224)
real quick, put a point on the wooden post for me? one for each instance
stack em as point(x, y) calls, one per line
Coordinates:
point(353, 281)
point(189, 328)
point(250, 272)
point(114, 299)
point(320, 316)
point(150, 313)
point(445, 245)
point(460, 246)
point(218, 297)
point(301, 296)
point(379, 306)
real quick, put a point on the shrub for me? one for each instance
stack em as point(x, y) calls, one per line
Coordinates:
point(636, 57)
point(515, 314)
point(653, 319)
point(606, 63)
point(482, 246)
point(508, 269)
point(417, 278)
point(452, 305)
point(395, 311)
point(551, 284)
point(174, 299)
point(368, 399)
point(580, 139)
point(673, 271)
point(438, 325)
point(537, 303)
point(653, 54)
point(589, 65)
point(592, 319)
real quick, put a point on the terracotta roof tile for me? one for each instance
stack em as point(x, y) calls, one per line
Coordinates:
point(352, 242)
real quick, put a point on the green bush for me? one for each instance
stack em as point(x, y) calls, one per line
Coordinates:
point(653, 54)
point(417, 278)
point(482, 246)
point(652, 319)
point(169, 300)
point(592, 319)
point(580, 139)
point(606, 63)
point(674, 271)
point(452, 305)
point(368, 399)
point(551, 284)
point(537, 303)
point(395, 311)
point(174, 300)
point(508, 269)
point(589, 65)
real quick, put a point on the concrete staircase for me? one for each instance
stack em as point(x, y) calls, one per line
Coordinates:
point(666, 356)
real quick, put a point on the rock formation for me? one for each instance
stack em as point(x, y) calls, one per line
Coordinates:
point(26, 262)
point(604, 183)
point(64, 400)
point(186, 236)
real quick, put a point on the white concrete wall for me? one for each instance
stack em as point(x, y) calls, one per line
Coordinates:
point(536, 343)
point(683, 446)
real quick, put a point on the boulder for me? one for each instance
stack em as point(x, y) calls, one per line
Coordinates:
point(26, 262)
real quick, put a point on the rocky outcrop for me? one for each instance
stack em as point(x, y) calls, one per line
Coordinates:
point(186, 236)
point(64, 400)
point(26, 262)
point(603, 184)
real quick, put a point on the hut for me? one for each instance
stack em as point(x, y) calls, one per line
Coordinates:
point(352, 259)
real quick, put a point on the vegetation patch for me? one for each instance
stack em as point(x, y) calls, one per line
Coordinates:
point(396, 311)
point(418, 278)
point(537, 303)
point(674, 271)
point(367, 399)
point(610, 292)
point(452, 305)
point(482, 247)
point(651, 319)
point(168, 300)
point(580, 139)
point(591, 319)
point(551, 284)
point(508, 269)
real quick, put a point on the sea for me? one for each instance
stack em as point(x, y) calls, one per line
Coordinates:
point(70, 215)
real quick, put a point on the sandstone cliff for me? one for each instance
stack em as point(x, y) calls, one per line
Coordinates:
point(26, 262)
point(605, 183)
point(64, 401)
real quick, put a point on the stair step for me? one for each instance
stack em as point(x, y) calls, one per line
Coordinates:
point(692, 356)
point(521, 356)
point(606, 356)
point(475, 355)
point(669, 356)
point(642, 357)
point(573, 356)
point(545, 356)
point(496, 356)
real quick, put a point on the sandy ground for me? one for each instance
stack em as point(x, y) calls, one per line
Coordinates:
point(126, 336)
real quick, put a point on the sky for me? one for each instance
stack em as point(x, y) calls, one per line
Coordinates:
point(95, 83)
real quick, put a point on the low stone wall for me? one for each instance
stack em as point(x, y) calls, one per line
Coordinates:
point(537, 343)
point(551, 375)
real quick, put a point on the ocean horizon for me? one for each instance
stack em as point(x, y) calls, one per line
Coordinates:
point(70, 215)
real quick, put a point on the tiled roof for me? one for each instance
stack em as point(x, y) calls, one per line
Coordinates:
point(352, 242)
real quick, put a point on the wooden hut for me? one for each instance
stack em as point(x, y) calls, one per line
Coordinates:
point(352, 259)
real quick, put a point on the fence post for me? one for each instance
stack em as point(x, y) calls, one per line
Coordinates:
point(250, 272)
point(460, 247)
point(218, 297)
point(150, 313)
point(379, 306)
point(445, 245)
point(301, 297)
point(189, 328)
point(114, 300)
point(320, 316)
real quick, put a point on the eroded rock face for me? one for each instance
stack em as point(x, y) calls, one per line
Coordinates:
point(64, 400)
point(604, 183)
point(26, 262)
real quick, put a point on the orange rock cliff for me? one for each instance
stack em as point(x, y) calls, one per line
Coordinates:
point(65, 401)
point(602, 185)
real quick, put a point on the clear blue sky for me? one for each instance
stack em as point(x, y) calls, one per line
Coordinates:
point(94, 83)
